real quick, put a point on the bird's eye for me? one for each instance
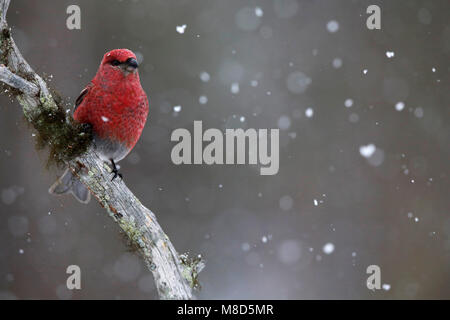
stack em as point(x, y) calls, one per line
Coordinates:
point(115, 62)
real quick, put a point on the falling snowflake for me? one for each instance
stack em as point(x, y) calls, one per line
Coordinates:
point(204, 76)
point(332, 26)
point(181, 29)
point(203, 99)
point(390, 54)
point(328, 248)
point(368, 150)
point(399, 106)
point(235, 88)
point(348, 103)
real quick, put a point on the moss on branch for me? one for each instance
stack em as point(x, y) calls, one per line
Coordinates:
point(58, 132)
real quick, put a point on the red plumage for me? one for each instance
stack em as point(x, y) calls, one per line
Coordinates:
point(114, 103)
point(116, 107)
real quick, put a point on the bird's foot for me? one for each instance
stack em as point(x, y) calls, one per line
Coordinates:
point(115, 171)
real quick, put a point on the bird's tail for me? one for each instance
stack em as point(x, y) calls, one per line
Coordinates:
point(67, 183)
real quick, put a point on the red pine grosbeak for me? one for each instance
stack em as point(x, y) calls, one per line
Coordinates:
point(116, 107)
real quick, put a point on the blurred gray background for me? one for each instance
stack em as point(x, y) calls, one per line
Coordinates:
point(364, 149)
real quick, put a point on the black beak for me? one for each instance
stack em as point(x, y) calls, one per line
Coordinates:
point(131, 62)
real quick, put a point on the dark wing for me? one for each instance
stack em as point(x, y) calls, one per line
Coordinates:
point(80, 98)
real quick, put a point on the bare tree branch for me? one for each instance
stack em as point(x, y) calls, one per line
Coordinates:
point(174, 275)
point(17, 82)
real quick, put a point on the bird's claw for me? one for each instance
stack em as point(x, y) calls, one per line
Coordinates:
point(115, 171)
point(116, 174)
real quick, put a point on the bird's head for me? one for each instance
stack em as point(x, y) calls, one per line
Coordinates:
point(119, 62)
